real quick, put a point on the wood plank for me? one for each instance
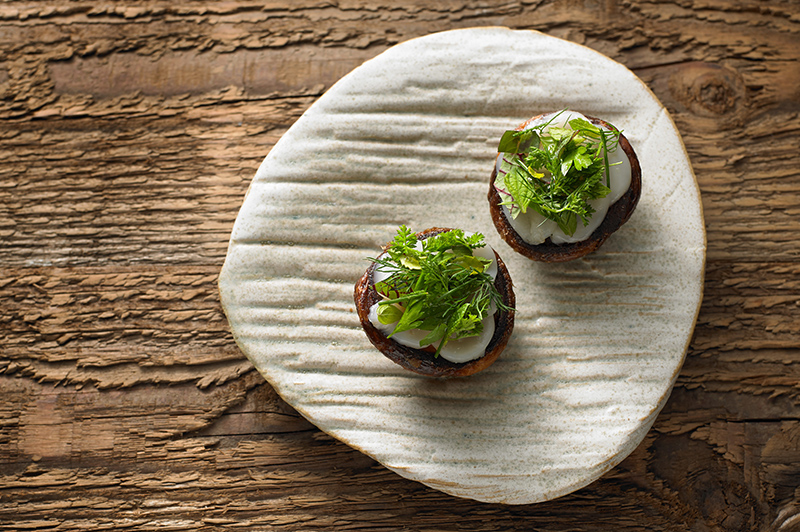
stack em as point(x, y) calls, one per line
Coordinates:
point(130, 133)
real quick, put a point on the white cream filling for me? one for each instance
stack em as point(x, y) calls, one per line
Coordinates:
point(457, 351)
point(535, 228)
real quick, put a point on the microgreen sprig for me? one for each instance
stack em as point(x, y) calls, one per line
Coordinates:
point(556, 171)
point(438, 286)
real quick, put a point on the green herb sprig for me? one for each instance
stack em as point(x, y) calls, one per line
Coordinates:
point(556, 171)
point(441, 288)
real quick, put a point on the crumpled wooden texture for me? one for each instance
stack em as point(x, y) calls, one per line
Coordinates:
point(130, 134)
point(410, 137)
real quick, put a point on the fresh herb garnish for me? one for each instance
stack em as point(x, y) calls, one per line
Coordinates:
point(556, 171)
point(438, 286)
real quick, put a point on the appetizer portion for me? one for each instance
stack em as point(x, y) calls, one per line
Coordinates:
point(439, 302)
point(562, 183)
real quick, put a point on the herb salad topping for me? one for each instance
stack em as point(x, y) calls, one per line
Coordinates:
point(437, 285)
point(556, 171)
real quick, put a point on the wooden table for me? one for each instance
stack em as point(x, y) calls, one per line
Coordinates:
point(130, 132)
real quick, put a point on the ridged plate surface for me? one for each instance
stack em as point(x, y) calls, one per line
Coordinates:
point(410, 138)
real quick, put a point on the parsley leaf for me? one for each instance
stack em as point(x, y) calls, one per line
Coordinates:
point(438, 286)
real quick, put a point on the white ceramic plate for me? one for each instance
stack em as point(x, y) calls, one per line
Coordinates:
point(410, 138)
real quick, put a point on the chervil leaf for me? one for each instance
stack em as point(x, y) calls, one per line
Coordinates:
point(404, 243)
point(582, 158)
point(475, 241)
point(469, 325)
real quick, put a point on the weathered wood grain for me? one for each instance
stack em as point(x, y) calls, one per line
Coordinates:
point(129, 135)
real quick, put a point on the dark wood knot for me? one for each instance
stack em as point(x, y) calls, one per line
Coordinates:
point(707, 89)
